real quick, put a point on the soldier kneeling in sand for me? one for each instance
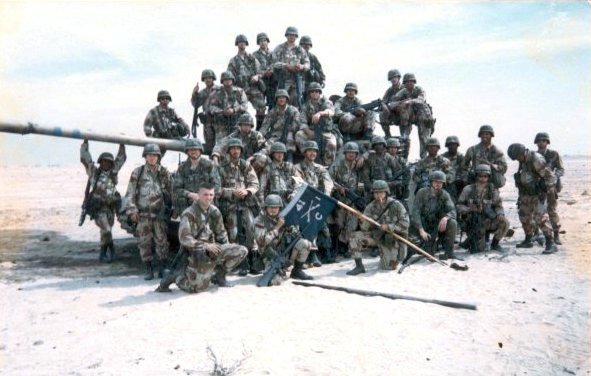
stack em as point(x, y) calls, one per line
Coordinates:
point(202, 234)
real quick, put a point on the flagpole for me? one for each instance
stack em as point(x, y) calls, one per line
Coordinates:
point(407, 242)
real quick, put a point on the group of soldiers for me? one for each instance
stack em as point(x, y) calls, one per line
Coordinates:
point(229, 204)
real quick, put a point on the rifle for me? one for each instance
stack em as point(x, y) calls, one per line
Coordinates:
point(194, 123)
point(319, 138)
point(299, 80)
point(371, 106)
point(277, 264)
point(87, 205)
point(357, 200)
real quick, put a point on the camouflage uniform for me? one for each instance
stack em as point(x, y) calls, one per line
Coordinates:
point(235, 176)
point(349, 176)
point(272, 241)
point(428, 164)
point(328, 137)
point(417, 113)
point(252, 143)
point(105, 197)
point(198, 227)
point(428, 209)
point(455, 184)
point(554, 163)
point(189, 177)
point(164, 123)
point(274, 123)
point(223, 98)
point(146, 193)
point(265, 60)
point(276, 178)
point(244, 68)
point(532, 209)
point(489, 206)
point(392, 117)
point(283, 55)
point(315, 74)
point(203, 98)
point(478, 154)
point(351, 125)
point(392, 213)
point(381, 167)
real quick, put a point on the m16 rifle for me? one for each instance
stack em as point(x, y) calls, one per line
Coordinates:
point(375, 105)
point(278, 263)
point(358, 200)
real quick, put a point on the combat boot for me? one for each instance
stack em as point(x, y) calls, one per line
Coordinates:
point(111, 252)
point(244, 267)
point(359, 268)
point(557, 238)
point(161, 268)
point(313, 259)
point(149, 274)
point(103, 255)
point(526, 243)
point(550, 247)
point(374, 252)
point(165, 283)
point(448, 254)
point(298, 272)
point(495, 246)
point(220, 277)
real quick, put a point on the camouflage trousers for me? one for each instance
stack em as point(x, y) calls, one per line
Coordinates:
point(532, 214)
point(356, 125)
point(152, 228)
point(346, 224)
point(198, 272)
point(330, 145)
point(104, 220)
point(420, 115)
point(391, 251)
point(498, 226)
point(552, 203)
point(221, 131)
point(231, 221)
point(299, 253)
point(388, 119)
point(257, 99)
point(448, 236)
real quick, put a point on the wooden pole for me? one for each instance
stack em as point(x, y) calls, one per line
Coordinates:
point(389, 296)
point(407, 242)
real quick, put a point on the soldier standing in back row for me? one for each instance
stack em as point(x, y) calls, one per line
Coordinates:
point(391, 215)
point(389, 116)
point(357, 124)
point(555, 165)
point(248, 73)
point(201, 98)
point(226, 105)
point(148, 196)
point(163, 122)
point(485, 153)
point(290, 61)
point(104, 198)
point(193, 173)
point(535, 181)
point(203, 236)
point(263, 55)
point(315, 74)
point(456, 184)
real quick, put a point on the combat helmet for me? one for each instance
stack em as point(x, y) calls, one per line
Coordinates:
point(409, 77)
point(163, 94)
point(310, 145)
point(291, 30)
point(227, 75)
point(452, 140)
point(273, 200)
point(378, 140)
point(106, 157)
point(392, 142)
point(240, 38)
point(305, 40)
point(515, 150)
point(151, 149)
point(542, 136)
point(380, 186)
point(261, 36)
point(278, 147)
point(437, 176)
point(281, 93)
point(393, 73)
point(234, 142)
point(245, 119)
point(193, 143)
point(350, 86)
point(486, 128)
point(207, 73)
point(482, 169)
point(433, 141)
point(314, 86)
point(351, 147)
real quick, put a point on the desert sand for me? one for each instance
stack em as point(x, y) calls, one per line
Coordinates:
point(64, 313)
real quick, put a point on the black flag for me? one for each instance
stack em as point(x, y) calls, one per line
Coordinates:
point(309, 209)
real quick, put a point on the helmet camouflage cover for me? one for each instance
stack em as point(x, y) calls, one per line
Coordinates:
point(380, 186)
point(151, 149)
point(273, 200)
point(437, 176)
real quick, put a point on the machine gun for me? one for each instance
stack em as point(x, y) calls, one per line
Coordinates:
point(277, 264)
point(371, 106)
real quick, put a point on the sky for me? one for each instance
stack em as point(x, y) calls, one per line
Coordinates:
point(522, 67)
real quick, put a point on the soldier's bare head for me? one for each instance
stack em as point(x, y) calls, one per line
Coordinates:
point(206, 195)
